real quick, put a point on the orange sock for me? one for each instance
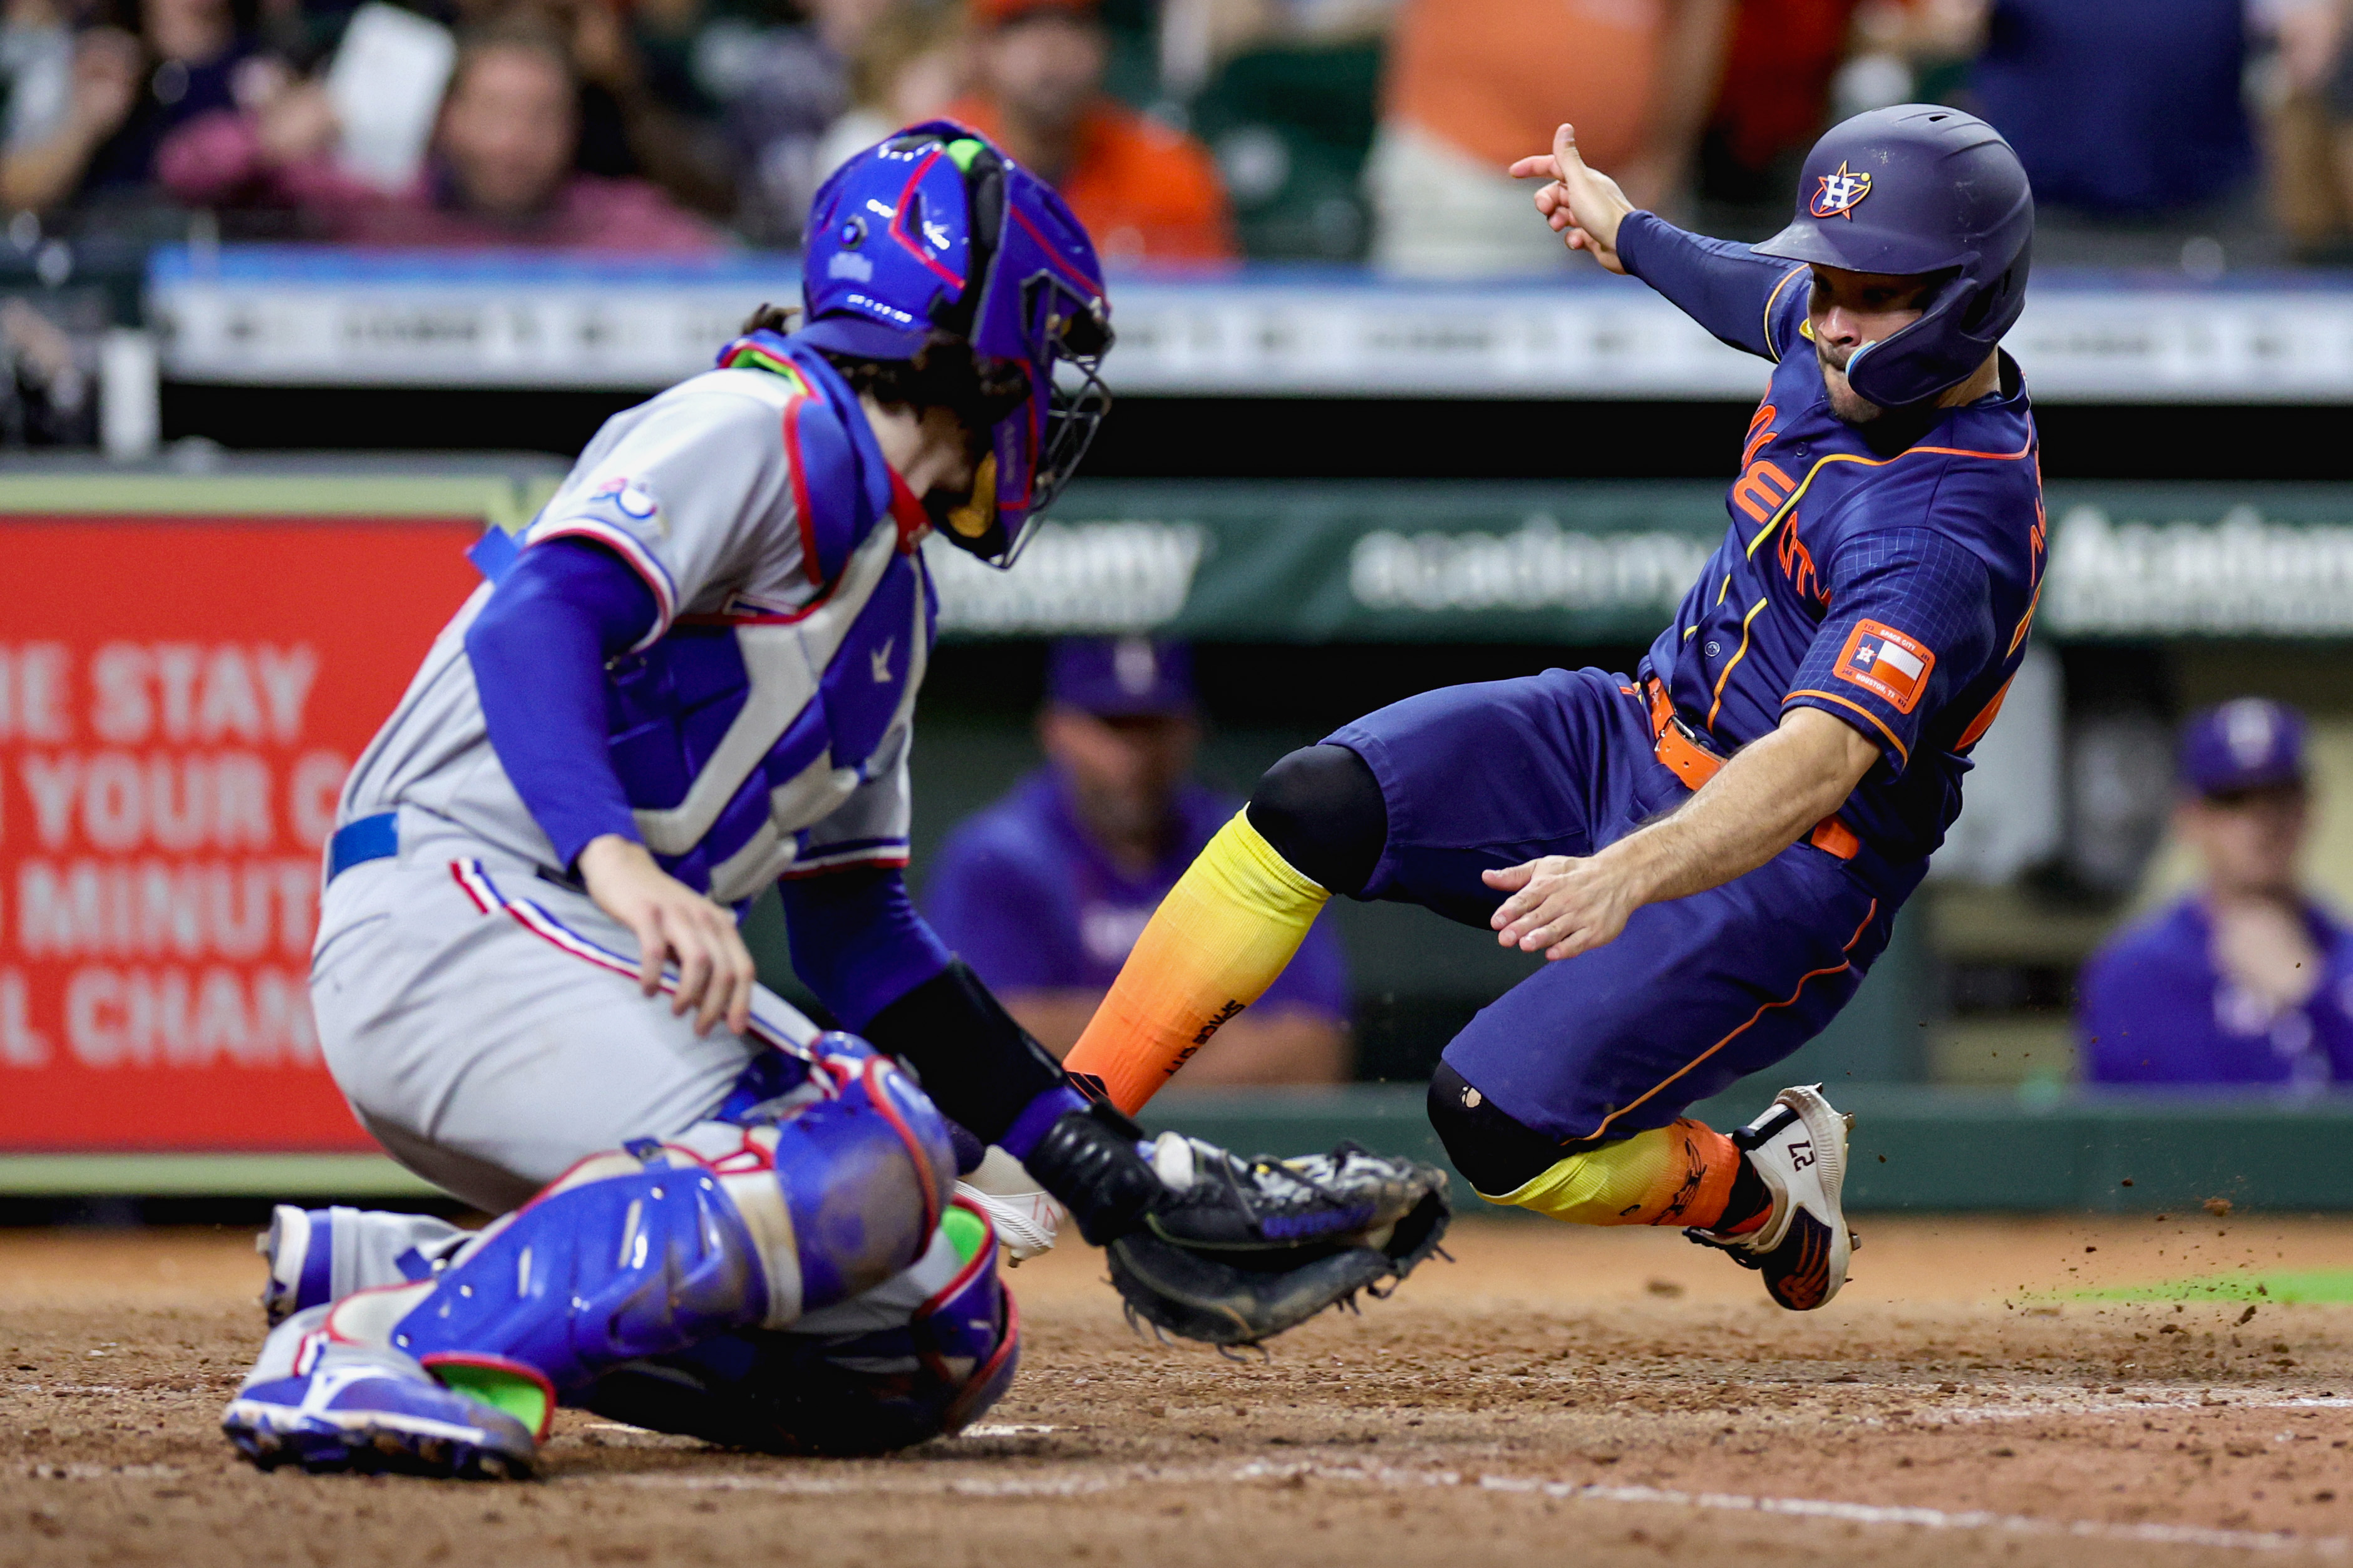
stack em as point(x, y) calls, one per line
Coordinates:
point(1681, 1173)
point(1219, 940)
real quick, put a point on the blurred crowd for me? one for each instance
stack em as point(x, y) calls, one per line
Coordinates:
point(2202, 133)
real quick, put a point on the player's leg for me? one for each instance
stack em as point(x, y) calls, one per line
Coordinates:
point(1410, 803)
point(319, 1256)
point(643, 1251)
point(315, 1256)
point(919, 1356)
point(1566, 1096)
point(494, 1038)
point(474, 1020)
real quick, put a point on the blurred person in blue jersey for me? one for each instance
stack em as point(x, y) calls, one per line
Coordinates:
point(1045, 891)
point(2247, 980)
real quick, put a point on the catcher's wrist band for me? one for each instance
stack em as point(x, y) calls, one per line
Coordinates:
point(978, 1066)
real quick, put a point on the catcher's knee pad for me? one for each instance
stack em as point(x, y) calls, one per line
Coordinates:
point(920, 1356)
point(1320, 809)
point(656, 1246)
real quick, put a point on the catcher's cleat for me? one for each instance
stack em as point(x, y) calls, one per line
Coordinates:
point(328, 1406)
point(1799, 1149)
point(1026, 1215)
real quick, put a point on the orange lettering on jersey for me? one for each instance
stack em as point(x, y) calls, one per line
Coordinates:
point(1760, 491)
point(1984, 720)
point(1798, 563)
point(1760, 430)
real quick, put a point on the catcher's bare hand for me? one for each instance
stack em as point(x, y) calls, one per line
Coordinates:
point(672, 922)
point(1561, 904)
point(1583, 205)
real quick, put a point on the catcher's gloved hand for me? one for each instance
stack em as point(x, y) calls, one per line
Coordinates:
point(1232, 1251)
point(1090, 1160)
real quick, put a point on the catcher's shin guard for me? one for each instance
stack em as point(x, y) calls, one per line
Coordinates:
point(649, 1249)
point(920, 1356)
point(1799, 1149)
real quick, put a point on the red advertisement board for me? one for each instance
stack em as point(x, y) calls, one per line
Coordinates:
point(180, 700)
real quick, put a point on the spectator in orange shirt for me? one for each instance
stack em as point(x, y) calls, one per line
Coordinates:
point(1145, 193)
point(1471, 80)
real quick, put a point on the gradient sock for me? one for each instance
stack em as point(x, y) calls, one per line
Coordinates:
point(1683, 1174)
point(1219, 940)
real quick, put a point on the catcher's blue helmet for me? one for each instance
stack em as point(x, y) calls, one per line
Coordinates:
point(935, 231)
point(1919, 188)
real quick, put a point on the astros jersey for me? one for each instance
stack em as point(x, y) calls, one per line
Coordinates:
point(762, 726)
point(1890, 585)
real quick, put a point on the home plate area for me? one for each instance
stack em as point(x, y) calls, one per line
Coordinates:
point(2005, 1391)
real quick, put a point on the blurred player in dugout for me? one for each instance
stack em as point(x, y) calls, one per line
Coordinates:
point(2247, 980)
point(1044, 893)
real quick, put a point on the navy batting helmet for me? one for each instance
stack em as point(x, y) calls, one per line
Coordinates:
point(1919, 188)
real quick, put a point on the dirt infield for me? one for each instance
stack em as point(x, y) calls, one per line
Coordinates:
point(1555, 1396)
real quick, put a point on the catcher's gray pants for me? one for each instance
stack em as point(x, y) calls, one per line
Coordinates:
point(486, 1024)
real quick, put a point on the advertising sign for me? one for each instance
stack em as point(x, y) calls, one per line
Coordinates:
point(180, 700)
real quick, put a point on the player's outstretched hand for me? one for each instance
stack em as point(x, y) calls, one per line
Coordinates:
point(673, 923)
point(1583, 205)
point(1561, 905)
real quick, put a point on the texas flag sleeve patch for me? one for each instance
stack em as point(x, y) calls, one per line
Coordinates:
point(1887, 664)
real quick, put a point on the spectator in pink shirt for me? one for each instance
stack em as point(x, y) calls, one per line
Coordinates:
point(500, 174)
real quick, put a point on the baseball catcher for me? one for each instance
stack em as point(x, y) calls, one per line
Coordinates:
point(694, 675)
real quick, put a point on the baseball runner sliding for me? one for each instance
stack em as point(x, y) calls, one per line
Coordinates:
point(1710, 850)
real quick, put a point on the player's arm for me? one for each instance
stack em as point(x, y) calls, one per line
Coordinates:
point(1912, 626)
point(538, 651)
point(879, 966)
point(1757, 806)
point(1726, 287)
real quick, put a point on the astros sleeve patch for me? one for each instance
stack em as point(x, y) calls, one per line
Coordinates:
point(1887, 664)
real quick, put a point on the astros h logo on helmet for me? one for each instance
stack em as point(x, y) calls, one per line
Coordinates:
point(1839, 193)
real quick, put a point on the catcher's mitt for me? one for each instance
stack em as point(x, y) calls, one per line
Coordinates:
point(1239, 1250)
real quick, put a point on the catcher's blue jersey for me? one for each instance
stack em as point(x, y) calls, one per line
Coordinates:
point(1890, 585)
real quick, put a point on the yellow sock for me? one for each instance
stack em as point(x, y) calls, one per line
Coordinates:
point(1218, 941)
point(1677, 1174)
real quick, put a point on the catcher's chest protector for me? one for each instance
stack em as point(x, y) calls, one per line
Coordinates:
point(731, 737)
point(736, 732)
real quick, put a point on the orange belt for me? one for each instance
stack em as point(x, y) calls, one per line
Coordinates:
point(1690, 761)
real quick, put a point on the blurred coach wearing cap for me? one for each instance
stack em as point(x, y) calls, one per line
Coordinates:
point(2246, 981)
point(1144, 191)
point(1044, 892)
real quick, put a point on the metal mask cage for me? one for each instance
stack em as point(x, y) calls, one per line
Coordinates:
point(1072, 328)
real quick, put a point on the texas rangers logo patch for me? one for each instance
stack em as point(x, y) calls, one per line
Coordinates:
point(628, 497)
point(1840, 194)
point(1887, 664)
